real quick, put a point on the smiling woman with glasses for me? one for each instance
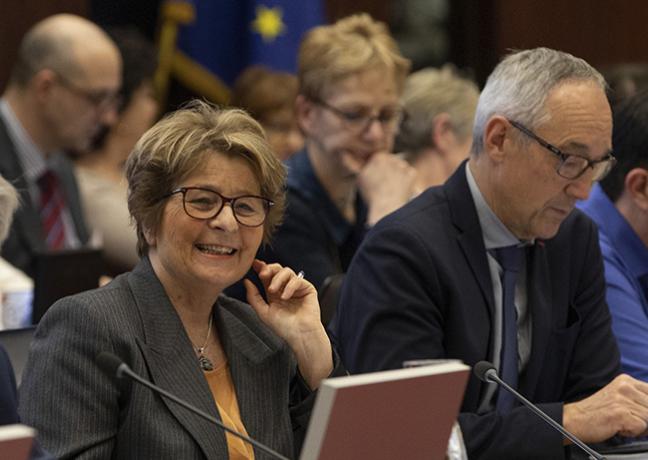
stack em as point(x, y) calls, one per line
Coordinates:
point(572, 166)
point(204, 204)
point(205, 189)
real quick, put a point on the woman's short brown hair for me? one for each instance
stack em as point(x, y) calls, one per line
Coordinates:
point(177, 146)
point(264, 92)
point(352, 45)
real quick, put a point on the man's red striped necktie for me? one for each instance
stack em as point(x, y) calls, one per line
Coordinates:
point(52, 204)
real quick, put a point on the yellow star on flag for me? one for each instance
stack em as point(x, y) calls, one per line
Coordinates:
point(268, 22)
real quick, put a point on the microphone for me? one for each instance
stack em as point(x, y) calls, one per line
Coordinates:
point(115, 367)
point(486, 372)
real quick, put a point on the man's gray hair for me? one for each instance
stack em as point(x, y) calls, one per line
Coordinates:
point(520, 83)
point(428, 93)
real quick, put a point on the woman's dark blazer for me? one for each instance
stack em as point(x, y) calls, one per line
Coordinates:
point(82, 412)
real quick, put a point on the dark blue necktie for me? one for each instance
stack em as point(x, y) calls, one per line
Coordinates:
point(510, 258)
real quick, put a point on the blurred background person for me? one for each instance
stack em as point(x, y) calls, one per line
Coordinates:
point(16, 288)
point(62, 89)
point(8, 391)
point(625, 80)
point(436, 133)
point(619, 206)
point(351, 77)
point(204, 189)
point(8, 206)
point(100, 171)
point(269, 96)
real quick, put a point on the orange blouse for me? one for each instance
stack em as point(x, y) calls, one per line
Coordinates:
point(222, 387)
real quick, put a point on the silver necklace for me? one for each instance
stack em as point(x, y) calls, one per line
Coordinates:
point(204, 361)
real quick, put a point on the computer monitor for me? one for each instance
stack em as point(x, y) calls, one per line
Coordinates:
point(62, 273)
point(404, 413)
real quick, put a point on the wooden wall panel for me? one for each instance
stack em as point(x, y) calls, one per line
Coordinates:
point(602, 32)
point(16, 16)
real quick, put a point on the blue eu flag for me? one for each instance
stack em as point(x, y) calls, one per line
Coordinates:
point(225, 36)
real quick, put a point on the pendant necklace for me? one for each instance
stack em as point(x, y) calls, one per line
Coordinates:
point(204, 361)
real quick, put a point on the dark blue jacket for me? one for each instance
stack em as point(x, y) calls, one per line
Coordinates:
point(419, 287)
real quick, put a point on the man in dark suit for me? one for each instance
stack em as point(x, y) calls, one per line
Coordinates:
point(62, 89)
point(433, 280)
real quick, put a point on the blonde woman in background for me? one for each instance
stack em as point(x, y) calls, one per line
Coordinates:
point(16, 288)
point(351, 77)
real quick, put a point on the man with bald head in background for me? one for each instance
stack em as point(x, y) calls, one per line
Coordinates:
point(62, 89)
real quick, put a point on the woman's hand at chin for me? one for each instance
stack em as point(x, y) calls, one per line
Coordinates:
point(293, 313)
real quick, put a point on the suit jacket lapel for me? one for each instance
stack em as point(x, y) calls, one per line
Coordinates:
point(171, 361)
point(539, 304)
point(248, 349)
point(470, 239)
point(28, 221)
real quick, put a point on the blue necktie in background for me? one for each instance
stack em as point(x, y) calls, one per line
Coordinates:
point(510, 258)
